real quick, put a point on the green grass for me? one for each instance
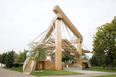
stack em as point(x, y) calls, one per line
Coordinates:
point(45, 72)
point(105, 76)
point(19, 69)
point(53, 72)
point(107, 69)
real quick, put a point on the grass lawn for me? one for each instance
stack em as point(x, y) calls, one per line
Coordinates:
point(107, 69)
point(105, 76)
point(53, 72)
point(45, 72)
point(19, 69)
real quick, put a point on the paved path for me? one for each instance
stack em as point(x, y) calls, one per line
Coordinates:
point(10, 73)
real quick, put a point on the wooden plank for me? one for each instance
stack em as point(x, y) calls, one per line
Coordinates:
point(67, 22)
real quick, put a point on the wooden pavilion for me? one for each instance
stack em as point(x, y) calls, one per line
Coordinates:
point(59, 45)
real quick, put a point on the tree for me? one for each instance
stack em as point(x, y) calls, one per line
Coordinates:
point(99, 60)
point(94, 61)
point(16, 56)
point(105, 41)
point(9, 59)
point(22, 57)
point(1, 59)
point(39, 53)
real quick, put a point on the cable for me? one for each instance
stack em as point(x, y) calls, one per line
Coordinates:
point(63, 29)
point(84, 46)
point(39, 35)
point(68, 31)
point(44, 37)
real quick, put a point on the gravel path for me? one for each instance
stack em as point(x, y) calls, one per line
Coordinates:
point(10, 73)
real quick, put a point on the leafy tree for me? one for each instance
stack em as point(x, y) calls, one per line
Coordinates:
point(99, 60)
point(105, 41)
point(16, 56)
point(94, 61)
point(10, 59)
point(3, 58)
point(22, 57)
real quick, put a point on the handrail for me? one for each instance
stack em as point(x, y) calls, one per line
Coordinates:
point(32, 64)
point(25, 63)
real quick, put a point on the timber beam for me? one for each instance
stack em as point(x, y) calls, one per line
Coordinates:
point(67, 22)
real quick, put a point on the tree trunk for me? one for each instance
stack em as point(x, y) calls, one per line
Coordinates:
point(111, 63)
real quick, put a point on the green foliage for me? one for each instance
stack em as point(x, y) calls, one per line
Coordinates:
point(3, 58)
point(66, 58)
point(9, 58)
point(99, 60)
point(22, 57)
point(53, 72)
point(39, 52)
point(16, 56)
point(104, 43)
point(94, 61)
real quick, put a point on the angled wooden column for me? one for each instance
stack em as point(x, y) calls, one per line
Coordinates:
point(79, 57)
point(58, 53)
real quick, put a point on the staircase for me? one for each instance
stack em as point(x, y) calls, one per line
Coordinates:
point(27, 68)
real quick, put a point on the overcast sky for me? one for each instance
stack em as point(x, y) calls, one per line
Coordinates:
point(23, 20)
